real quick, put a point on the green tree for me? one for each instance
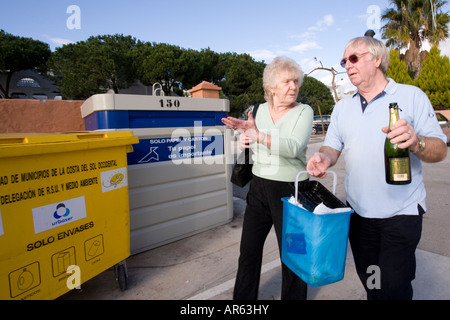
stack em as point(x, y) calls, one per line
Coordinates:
point(114, 62)
point(410, 23)
point(313, 92)
point(169, 65)
point(242, 81)
point(397, 69)
point(193, 68)
point(94, 66)
point(18, 53)
point(214, 66)
point(160, 65)
point(434, 79)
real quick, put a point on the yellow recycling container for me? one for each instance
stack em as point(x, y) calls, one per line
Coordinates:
point(64, 211)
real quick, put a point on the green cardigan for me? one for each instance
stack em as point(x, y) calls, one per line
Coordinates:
point(290, 137)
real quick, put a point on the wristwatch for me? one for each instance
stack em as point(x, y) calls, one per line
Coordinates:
point(421, 144)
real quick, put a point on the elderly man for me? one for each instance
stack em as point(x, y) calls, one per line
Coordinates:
point(386, 226)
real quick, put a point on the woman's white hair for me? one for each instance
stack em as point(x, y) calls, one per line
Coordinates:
point(272, 71)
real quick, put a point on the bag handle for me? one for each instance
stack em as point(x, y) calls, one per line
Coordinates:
point(254, 110)
point(301, 172)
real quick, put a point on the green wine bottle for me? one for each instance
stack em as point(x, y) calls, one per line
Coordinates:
point(396, 161)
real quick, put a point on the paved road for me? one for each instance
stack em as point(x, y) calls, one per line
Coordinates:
point(436, 223)
point(203, 267)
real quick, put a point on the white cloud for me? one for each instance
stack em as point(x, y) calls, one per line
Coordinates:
point(307, 39)
point(263, 54)
point(60, 41)
point(328, 21)
point(302, 36)
point(323, 24)
point(344, 87)
point(445, 47)
point(55, 42)
point(308, 64)
point(305, 46)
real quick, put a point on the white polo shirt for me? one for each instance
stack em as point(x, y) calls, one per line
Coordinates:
point(358, 135)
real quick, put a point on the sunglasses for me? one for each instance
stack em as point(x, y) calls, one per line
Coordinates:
point(354, 58)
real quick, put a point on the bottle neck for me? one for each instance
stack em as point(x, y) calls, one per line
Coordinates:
point(394, 117)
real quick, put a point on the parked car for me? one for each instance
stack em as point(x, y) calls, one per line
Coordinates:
point(445, 125)
point(317, 124)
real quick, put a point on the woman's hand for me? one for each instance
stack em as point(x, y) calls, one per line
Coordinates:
point(244, 142)
point(246, 127)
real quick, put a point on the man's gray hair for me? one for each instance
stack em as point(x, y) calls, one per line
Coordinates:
point(375, 47)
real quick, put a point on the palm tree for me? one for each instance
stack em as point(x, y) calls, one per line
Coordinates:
point(410, 23)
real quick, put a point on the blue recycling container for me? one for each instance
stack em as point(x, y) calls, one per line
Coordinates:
point(314, 246)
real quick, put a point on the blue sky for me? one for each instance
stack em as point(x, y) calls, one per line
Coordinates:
point(307, 31)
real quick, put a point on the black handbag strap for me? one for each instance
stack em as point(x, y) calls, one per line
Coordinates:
point(254, 110)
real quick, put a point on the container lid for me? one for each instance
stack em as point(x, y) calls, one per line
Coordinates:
point(22, 144)
point(103, 102)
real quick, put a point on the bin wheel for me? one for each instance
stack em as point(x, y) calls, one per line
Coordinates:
point(122, 277)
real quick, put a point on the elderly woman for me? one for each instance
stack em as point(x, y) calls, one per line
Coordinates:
point(278, 138)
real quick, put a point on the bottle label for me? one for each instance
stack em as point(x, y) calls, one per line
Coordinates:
point(399, 169)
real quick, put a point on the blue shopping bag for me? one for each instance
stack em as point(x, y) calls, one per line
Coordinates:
point(315, 246)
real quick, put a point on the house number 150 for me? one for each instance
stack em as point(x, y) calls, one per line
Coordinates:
point(169, 103)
